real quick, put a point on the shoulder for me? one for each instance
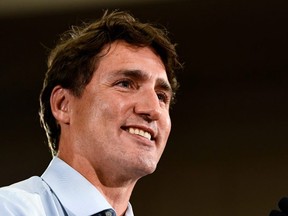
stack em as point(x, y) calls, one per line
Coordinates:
point(22, 198)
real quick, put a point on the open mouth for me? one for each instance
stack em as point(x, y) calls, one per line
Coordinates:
point(139, 132)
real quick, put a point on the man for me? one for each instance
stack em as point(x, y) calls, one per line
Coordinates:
point(105, 109)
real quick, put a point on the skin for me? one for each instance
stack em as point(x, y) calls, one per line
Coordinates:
point(129, 89)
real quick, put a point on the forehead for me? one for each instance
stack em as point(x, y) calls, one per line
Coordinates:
point(120, 56)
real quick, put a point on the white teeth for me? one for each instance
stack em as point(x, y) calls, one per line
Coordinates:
point(147, 135)
point(140, 133)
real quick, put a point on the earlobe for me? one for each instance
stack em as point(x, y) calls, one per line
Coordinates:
point(59, 102)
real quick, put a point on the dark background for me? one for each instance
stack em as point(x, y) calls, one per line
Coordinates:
point(227, 153)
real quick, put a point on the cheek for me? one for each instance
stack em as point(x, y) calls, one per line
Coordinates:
point(167, 124)
point(108, 110)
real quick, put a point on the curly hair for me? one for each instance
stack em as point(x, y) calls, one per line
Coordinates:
point(72, 62)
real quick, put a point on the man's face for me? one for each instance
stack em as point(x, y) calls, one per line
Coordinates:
point(121, 123)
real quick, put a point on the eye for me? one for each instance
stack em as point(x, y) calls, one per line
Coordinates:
point(125, 83)
point(163, 97)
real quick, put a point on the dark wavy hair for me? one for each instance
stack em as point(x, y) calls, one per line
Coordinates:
point(72, 62)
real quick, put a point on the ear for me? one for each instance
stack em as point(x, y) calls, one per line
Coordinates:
point(59, 102)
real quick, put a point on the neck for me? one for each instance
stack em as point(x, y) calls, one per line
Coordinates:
point(116, 189)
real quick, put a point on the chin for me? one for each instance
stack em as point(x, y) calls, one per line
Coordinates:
point(146, 170)
point(140, 167)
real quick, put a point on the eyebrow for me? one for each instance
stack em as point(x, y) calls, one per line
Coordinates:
point(142, 76)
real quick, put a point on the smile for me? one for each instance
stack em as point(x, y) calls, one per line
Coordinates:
point(139, 132)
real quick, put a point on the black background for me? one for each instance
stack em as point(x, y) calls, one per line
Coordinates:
point(227, 153)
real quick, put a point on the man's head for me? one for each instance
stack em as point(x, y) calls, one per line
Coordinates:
point(74, 60)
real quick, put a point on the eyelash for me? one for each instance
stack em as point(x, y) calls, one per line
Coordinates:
point(121, 83)
point(162, 97)
point(127, 83)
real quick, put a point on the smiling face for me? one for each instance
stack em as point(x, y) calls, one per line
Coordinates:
point(121, 123)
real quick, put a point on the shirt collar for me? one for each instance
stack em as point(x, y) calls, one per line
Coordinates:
point(73, 190)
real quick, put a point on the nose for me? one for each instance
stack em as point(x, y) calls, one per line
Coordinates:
point(148, 106)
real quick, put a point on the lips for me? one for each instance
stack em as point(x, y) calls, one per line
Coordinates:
point(139, 132)
point(146, 133)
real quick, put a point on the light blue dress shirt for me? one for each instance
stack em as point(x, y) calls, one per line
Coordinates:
point(60, 191)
